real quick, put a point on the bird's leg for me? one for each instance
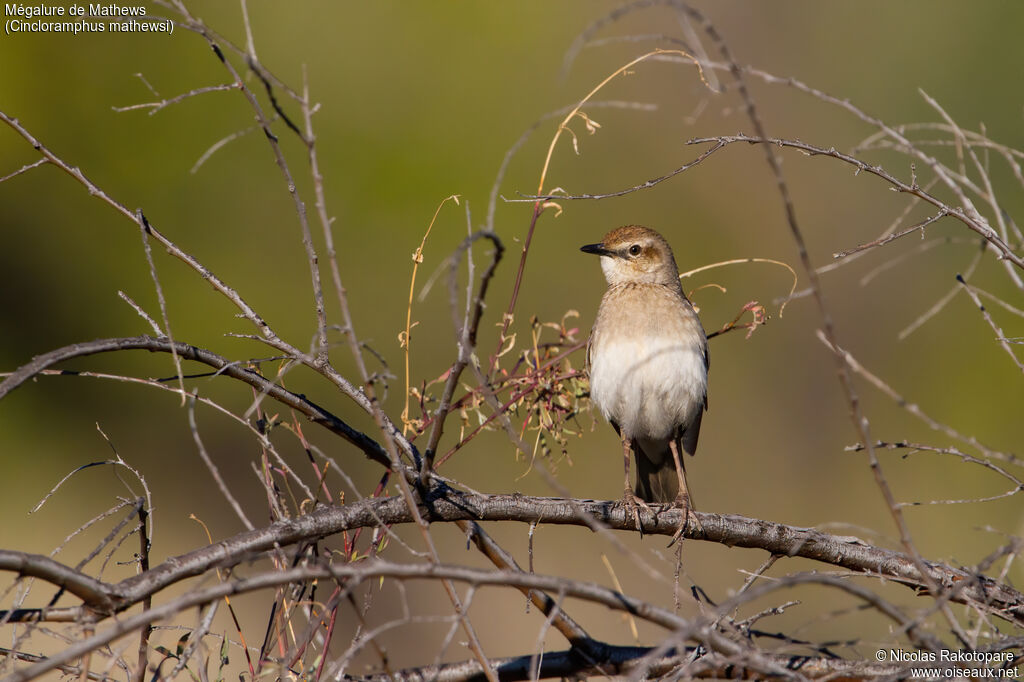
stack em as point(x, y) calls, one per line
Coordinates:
point(682, 500)
point(630, 501)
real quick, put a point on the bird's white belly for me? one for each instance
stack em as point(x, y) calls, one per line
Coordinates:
point(648, 387)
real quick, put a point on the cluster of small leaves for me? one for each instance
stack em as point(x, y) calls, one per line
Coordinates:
point(181, 659)
point(533, 389)
point(546, 392)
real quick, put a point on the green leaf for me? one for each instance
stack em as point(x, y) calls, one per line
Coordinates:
point(181, 644)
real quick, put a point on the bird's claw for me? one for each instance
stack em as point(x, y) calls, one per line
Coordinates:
point(689, 516)
point(632, 505)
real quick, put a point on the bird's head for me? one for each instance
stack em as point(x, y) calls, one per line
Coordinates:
point(635, 254)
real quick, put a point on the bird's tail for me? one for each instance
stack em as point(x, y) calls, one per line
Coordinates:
point(656, 479)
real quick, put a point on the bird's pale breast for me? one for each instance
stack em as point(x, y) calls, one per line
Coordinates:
point(647, 373)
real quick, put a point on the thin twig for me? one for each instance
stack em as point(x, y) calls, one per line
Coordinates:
point(161, 301)
point(157, 106)
point(881, 241)
point(1000, 336)
point(214, 471)
point(915, 409)
point(466, 338)
point(970, 220)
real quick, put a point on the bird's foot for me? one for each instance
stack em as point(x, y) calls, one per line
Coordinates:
point(632, 505)
point(690, 519)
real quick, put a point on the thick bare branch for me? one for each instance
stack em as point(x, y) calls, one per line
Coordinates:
point(963, 586)
point(94, 593)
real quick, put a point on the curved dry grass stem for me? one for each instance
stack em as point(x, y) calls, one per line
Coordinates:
point(405, 338)
point(737, 261)
point(564, 125)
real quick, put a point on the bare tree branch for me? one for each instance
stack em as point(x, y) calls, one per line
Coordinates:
point(233, 369)
point(964, 586)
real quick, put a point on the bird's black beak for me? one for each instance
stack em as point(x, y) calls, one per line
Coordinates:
point(596, 249)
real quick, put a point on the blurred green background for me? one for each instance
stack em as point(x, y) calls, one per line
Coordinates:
point(421, 100)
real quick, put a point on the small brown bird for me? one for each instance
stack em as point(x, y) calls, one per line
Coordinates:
point(648, 360)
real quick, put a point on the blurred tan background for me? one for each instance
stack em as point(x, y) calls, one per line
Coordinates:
point(421, 100)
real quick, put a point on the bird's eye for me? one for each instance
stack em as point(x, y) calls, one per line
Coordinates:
point(635, 250)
